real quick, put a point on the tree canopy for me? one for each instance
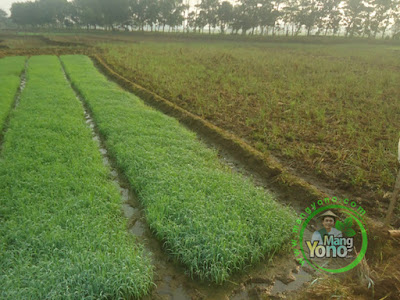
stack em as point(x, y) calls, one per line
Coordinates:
point(319, 17)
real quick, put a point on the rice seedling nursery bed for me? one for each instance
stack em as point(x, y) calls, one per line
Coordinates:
point(61, 234)
point(212, 220)
point(327, 111)
point(10, 73)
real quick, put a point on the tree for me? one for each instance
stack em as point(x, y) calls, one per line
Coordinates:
point(191, 20)
point(171, 12)
point(332, 14)
point(152, 13)
point(224, 15)
point(177, 16)
point(89, 12)
point(396, 29)
point(210, 8)
point(248, 15)
point(166, 10)
point(276, 13)
point(384, 11)
point(201, 20)
point(3, 18)
point(290, 15)
point(26, 13)
point(138, 13)
point(53, 12)
point(114, 12)
point(368, 21)
point(3, 15)
point(309, 14)
point(354, 11)
point(237, 19)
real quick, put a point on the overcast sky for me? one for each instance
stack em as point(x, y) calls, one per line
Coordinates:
point(6, 5)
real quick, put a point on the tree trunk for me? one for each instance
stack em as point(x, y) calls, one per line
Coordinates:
point(393, 200)
point(297, 30)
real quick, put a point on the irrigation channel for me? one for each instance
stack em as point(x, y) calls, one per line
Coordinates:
point(16, 102)
point(270, 278)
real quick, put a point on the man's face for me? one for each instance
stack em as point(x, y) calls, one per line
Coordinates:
point(328, 222)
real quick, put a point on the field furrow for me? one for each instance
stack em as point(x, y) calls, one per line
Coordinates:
point(10, 77)
point(212, 220)
point(62, 235)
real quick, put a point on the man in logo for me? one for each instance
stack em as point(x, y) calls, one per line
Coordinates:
point(328, 223)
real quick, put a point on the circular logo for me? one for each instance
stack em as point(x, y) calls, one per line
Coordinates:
point(335, 239)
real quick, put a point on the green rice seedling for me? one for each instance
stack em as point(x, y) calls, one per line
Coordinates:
point(210, 219)
point(10, 78)
point(62, 235)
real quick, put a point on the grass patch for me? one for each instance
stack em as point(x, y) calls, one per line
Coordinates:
point(212, 220)
point(10, 78)
point(62, 234)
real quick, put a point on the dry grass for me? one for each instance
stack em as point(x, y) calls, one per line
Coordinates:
point(331, 111)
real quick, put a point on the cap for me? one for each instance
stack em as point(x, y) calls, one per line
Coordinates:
point(328, 213)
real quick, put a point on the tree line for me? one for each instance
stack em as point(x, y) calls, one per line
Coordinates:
point(367, 18)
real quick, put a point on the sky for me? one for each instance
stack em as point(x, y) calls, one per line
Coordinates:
point(6, 5)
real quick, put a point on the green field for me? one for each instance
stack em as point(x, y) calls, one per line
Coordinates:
point(326, 110)
point(61, 235)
